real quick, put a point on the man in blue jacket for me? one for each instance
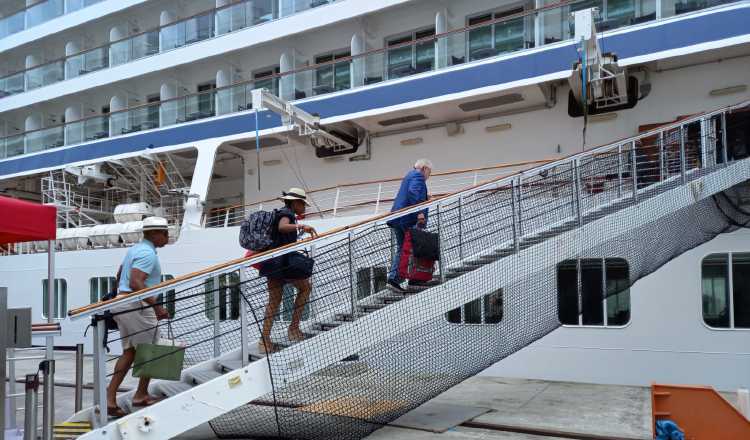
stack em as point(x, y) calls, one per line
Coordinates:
point(413, 191)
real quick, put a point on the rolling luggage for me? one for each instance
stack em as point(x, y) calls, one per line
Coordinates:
point(414, 268)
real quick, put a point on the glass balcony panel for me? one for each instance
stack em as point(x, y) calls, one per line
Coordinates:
point(119, 52)
point(511, 35)
point(452, 49)
point(43, 12)
point(232, 18)
point(74, 65)
point(172, 36)
point(73, 5)
point(74, 132)
point(11, 85)
point(375, 68)
point(14, 145)
point(480, 43)
point(304, 84)
point(12, 24)
point(144, 45)
point(94, 60)
point(96, 128)
point(44, 75)
point(199, 28)
point(261, 11)
point(425, 57)
point(555, 24)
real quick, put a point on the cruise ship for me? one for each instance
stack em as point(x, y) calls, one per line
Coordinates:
point(203, 111)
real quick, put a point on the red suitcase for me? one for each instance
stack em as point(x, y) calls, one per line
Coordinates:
point(412, 268)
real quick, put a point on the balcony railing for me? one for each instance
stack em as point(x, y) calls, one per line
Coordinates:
point(543, 26)
point(205, 25)
point(38, 13)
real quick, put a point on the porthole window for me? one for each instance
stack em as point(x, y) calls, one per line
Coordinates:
point(485, 310)
point(725, 280)
point(593, 292)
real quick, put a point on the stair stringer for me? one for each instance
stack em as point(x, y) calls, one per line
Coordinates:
point(212, 399)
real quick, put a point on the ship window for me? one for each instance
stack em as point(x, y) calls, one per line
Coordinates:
point(494, 39)
point(100, 286)
point(485, 310)
point(726, 290)
point(409, 59)
point(370, 281)
point(60, 298)
point(598, 287)
point(229, 296)
point(170, 295)
point(332, 77)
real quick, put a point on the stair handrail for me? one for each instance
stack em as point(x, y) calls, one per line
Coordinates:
point(235, 264)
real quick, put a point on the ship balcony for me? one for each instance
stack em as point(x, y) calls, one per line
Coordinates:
point(121, 50)
point(489, 38)
point(39, 12)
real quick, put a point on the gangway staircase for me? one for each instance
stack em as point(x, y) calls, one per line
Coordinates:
point(371, 355)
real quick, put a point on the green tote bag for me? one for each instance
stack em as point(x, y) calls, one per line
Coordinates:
point(159, 361)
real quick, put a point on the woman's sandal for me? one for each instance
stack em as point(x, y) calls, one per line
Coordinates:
point(115, 412)
point(148, 402)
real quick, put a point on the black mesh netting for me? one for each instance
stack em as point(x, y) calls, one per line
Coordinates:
point(644, 202)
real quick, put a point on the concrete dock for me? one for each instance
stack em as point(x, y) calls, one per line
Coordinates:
point(515, 409)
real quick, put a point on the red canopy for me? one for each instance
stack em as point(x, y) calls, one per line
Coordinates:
point(25, 221)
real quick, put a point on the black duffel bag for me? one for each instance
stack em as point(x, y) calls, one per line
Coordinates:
point(425, 244)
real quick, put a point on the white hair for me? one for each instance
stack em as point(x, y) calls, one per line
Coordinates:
point(423, 163)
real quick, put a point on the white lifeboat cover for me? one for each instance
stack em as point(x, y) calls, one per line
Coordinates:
point(132, 212)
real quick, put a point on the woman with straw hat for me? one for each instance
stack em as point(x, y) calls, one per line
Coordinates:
point(279, 271)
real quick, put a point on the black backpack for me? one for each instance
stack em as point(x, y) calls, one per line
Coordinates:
point(256, 230)
point(107, 318)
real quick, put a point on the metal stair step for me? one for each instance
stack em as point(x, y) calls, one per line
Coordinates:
point(228, 365)
point(170, 389)
point(390, 299)
point(325, 326)
point(347, 317)
point(371, 307)
point(201, 376)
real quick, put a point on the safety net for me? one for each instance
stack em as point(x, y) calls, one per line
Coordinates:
point(519, 256)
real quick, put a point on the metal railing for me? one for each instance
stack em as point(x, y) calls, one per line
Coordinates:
point(202, 26)
point(365, 198)
point(550, 24)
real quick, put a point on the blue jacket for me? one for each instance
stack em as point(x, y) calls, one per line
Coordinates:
point(413, 190)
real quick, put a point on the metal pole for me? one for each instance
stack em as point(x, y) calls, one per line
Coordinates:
point(100, 372)
point(460, 229)
point(217, 316)
point(519, 193)
point(79, 378)
point(30, 407)
point(577, 189)
point(724, 137)
point(12, 403)
point(619, 171)
point(336, 201)
point(244, 336)
point(661, 156)
point(377, 200)
point(634, 170)
point(50, 294)
point(48, 410)
point(514, 221)
point(352, 276)
point(441, 261)
point(3, 355)
point(683, 159)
